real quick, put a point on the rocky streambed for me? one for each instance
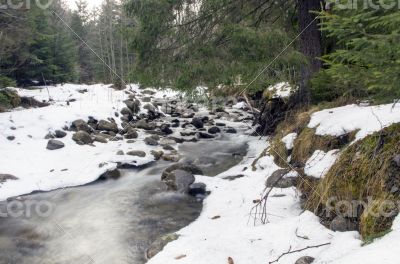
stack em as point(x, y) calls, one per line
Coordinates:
point(114, 221)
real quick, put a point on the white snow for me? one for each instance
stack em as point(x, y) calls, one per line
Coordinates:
point(240, 105)
point(320, 162)
point(225, 228)
point(342, 120)
point(281, 90)
point(40, 169)
point(289, 140)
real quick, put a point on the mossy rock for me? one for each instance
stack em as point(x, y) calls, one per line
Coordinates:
point(365, 171)
point(9, 98)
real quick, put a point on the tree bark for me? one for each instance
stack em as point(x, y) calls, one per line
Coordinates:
point(310, 44)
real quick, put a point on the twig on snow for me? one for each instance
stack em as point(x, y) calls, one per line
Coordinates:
point(297, 250)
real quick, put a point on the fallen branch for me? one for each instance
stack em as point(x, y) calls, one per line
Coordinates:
point(297, 250)
point(302, 237)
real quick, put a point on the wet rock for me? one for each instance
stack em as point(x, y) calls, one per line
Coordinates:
point(273, 180)
point(231, 130)
point(11, 138)
point(81, 125)
point(49, 136)
point(197, 122)
point(341, 224)
point(182, 166)
point(143, 124)
point(133, 105)
point(146, 99)
point(126, 111)
point(166, 129)
point(7, 177)
point(168, 147)
point(60, 134)
point(188, 115)
point(177, 140)
point(179, 180)
point(187, 133)
point(171, 157)
point(167, 141)
point(204, 135)
point(120, 153)
point(305, 260)
point(197, 188)
point(157, 154)
point(136, 153)
point(214, 130)
point(149, 92)
point(130, 141)
point(104, 125)
point(100, 139)
point(112, 174)
point(82, 138)
point(54, 144)
point(131, 134)
point(150, 107)
point(151, 141)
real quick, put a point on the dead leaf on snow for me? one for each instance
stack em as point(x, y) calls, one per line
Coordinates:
point(230, 261)
point(180, 257)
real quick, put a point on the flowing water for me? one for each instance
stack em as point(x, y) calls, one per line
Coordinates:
point(111, 221)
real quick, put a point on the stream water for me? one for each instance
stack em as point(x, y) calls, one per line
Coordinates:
point(112, 221)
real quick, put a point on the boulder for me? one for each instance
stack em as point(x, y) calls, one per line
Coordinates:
point(197, 122)
point(179, 180)
point(120, 153)
point(104, 125)
point(150, 107)
point(49, 136)
point(157, 154)
point(112, 174)
point(60, 134)
point(101, 139)
point(11, 138)
point(133, 105)
point(187, 133)
point(285, 182)
point(182, 166)
point(136, 153)
point(231, 130)
point(171, 157)
point(165, 128)
point(54, 144)
point(204, 135)
point(305, 260)
point(81, 125)
point(82, 138)
point(168, 147)
point(131, 134)
point(220, 124)
point(143, 124)
point(214, 130)
point(197, 188)
point(126, 111)
point(151, 141)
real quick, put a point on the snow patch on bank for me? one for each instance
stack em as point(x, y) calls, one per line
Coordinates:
point(320, 163)
point(367, 119)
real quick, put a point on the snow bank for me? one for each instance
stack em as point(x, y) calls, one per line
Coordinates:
point(342, 120)
point(226, 229)
point(320, 163)
point(37, 168)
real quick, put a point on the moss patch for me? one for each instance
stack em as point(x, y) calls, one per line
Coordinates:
point(365, 172)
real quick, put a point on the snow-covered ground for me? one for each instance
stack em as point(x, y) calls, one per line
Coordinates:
point(225, 231)
point(37, 168)
point(367, 119)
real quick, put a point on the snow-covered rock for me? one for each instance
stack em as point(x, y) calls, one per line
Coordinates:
point(289, 140)
point(281, 90)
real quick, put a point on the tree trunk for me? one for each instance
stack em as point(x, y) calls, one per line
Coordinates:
point(310, 44)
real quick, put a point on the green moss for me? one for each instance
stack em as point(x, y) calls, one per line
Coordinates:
point(9, 98)
point(364, 171)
